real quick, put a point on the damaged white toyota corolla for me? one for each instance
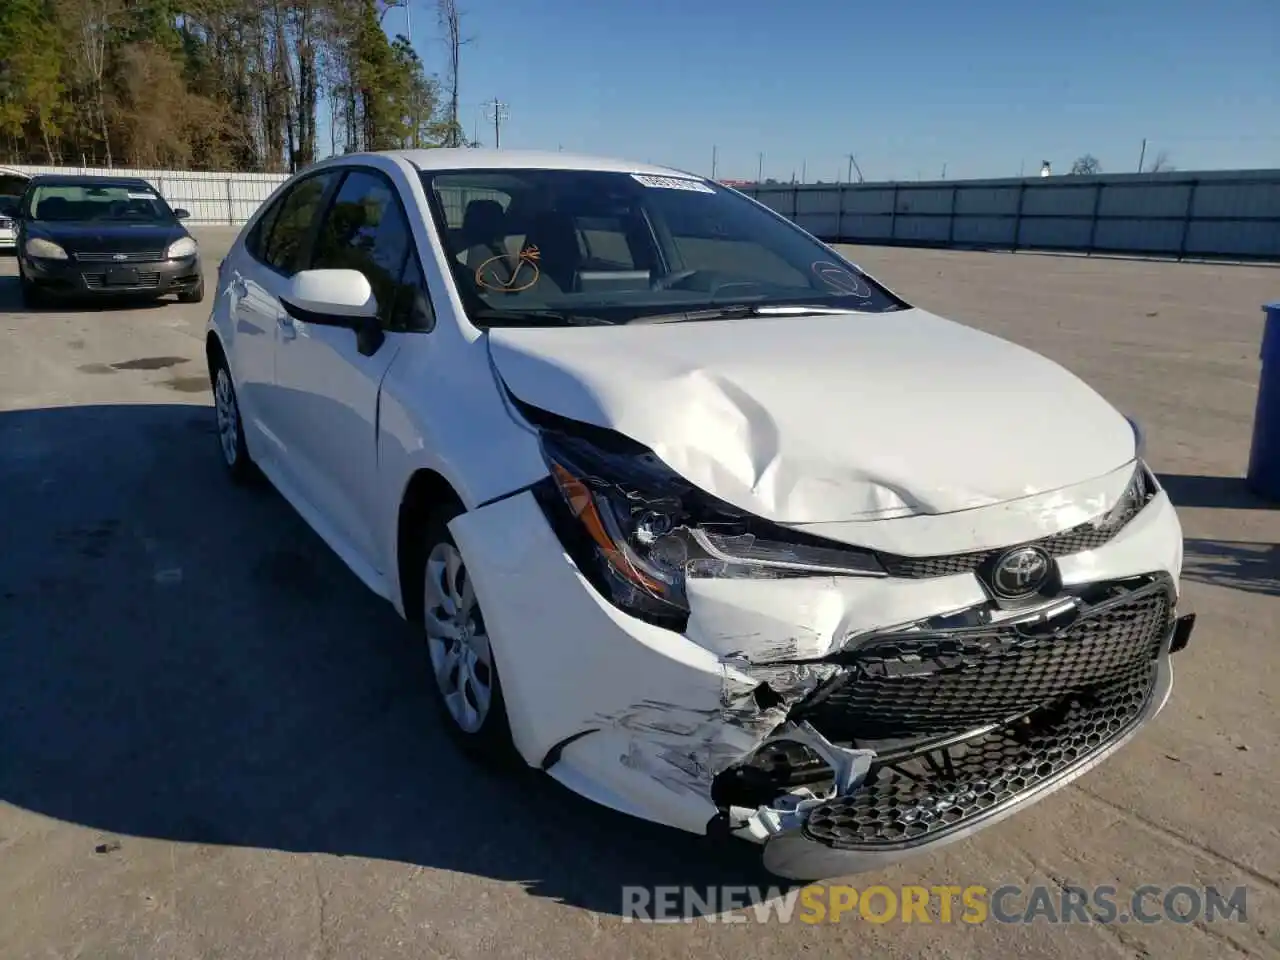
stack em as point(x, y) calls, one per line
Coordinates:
point(695, 515)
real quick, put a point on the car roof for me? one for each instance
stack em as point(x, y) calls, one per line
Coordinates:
point(468, 158)
point(93, 180)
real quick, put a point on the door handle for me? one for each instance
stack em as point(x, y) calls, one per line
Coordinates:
point(287, 330)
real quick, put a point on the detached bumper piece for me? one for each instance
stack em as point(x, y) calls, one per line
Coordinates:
point(962, 725)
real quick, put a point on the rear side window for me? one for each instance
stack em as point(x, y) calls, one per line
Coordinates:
point(366, 229)
point(284, 247)
point(262, 229)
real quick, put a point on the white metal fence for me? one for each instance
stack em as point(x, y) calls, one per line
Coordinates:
point(211, 198)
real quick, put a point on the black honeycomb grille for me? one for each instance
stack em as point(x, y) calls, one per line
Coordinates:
point(1089, 535)
point(931, 794)
point(904, 685)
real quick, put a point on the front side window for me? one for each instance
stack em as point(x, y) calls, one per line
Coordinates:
point(366, 229)
point(284, 247)
point(97, 203)
point(616, 247)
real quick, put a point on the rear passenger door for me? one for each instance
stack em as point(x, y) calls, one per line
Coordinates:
point(328, 388)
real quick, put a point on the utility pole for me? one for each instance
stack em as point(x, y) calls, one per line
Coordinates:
point(713, 161)
point(804, 171)
point(1143, 155)
point(944, 170)
point(760, 168)
point(854, 168)
point(499, 111)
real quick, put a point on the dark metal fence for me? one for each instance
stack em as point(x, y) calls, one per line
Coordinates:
point(1232, 215)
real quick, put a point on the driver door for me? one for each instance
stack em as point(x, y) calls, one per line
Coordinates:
point(327, 388)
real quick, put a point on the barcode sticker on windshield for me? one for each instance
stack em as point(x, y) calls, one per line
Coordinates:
point(134, 195)
point(671, 183)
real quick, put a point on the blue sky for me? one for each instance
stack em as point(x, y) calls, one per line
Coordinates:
point(906, 85)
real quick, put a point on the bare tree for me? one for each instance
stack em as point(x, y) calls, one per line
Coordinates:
point(1086, 165)
point(1161, 163)
point(451, 21)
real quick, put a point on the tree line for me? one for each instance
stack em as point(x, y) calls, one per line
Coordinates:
point(216, 84)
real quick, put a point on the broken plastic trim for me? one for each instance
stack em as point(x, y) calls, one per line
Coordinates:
point(638, 530)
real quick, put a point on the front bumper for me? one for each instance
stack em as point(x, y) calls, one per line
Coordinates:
point(72, 278)
point(700, 730)
point(944, 794)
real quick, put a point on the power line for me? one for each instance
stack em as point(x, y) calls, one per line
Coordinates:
point(497, 111)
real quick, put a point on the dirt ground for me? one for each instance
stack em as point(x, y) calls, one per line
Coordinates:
point(214, 742)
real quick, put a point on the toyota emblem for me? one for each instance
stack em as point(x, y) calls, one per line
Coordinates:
point(1020, 572)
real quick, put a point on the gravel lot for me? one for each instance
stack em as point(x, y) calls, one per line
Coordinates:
point(214, 742)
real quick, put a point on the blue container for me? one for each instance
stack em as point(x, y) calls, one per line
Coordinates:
point(1263, 477)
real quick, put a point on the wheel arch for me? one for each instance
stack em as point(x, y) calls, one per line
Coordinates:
point(214, 352)
point(425, 489)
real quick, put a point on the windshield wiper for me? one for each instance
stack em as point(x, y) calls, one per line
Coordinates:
point(537, 318)
point(738, 311)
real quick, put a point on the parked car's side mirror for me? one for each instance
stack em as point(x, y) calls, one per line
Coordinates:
point(336, 298)
point(181, 213)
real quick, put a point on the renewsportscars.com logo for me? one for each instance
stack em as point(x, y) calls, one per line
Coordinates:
point(973, 904)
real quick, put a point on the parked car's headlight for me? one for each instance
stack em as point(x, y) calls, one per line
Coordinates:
point(639, 531)
point(44, 249)
point(185, 247)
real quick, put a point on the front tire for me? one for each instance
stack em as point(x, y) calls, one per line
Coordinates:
point(226, 408)
point(465, 680)
point(32, 296)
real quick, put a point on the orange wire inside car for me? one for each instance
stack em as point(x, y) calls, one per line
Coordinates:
point(582, 505)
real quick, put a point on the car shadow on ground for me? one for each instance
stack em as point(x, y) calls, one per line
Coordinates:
point(1230, 493)
point(1251, 567)
point(184, 659)
point(11, 302)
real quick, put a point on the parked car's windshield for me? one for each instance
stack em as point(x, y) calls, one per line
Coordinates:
point(554, 246)
point(79, 203)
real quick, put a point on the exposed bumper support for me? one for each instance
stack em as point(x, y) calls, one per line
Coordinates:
point(794, 853)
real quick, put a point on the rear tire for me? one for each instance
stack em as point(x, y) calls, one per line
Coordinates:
point(194, 295)
point(226, 407)
point(464, 681)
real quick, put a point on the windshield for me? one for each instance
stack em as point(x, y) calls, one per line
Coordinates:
point(560, 246)
point(82, 202)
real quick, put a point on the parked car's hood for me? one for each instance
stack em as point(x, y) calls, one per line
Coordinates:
point(812, 419)
point(99, 236)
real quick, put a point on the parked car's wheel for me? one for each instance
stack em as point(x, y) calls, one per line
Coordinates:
point(464, 671)
point(226, 408)
point(194, 295)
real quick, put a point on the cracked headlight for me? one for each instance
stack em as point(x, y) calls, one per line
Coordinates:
point(639, 531)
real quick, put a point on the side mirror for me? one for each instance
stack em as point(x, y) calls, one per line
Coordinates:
point(181, 213)
point(336, 298)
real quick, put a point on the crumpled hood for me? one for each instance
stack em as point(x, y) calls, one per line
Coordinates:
point(814, 419)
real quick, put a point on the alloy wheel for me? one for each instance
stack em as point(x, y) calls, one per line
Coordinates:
point(228, 414)
point(456, 639)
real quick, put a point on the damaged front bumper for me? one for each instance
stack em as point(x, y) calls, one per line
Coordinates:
point(881, 807)
point(843, 723)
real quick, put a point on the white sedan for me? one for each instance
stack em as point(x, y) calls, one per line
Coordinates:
point(694, 514)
